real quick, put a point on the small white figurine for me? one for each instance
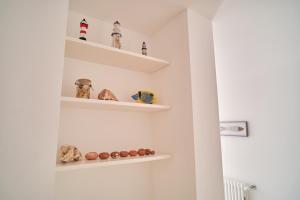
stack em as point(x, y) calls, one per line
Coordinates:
point(144, 49)
point(116, 35)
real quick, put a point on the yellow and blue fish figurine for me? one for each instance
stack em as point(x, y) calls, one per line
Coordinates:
point(144, 97)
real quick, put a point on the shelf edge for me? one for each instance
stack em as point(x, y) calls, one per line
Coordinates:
point(120, 104)
point(100, 163)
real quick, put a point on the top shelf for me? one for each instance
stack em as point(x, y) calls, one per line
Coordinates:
point(101, 54)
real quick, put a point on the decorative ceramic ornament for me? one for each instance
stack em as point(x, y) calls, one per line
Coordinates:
point(91, 156)
point(83, 88)
point(144, 49)
point(144, 97)
point(103, 155)
point(107, 95)
point(83, 27)
point(124, 154)
point(147, 152)
point(133, 153)
point(69, 153)
point(116, 35)
point(115, 155)
point(141, 152)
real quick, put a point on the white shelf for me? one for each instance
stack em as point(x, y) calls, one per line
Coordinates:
point(112, 105)
point(101, 163)
point(101, 54)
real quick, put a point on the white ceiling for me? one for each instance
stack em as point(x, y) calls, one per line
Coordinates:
point(145, 16)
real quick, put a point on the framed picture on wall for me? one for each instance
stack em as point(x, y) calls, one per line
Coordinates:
point(234, 128)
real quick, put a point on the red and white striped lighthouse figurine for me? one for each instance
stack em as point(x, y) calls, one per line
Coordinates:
point(83, 27)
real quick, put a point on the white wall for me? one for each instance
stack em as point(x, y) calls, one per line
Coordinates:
point(257, 49)
point(173, 130)
point(190, 130)
point(32, 49)
point(207, 145)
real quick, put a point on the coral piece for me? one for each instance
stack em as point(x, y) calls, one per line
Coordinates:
point(83, 27)
point(116, 35)
point(83, 88)
point(107, 95)
point(69, 153)
point(144, 97)
point(144, 49)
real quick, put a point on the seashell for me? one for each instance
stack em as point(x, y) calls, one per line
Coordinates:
point(115, 154)
point(103, 155)
point(91, 156)
point(107, 95)
point(133, 153)
point(152, 152)
point(124, 154)
point(69, 153)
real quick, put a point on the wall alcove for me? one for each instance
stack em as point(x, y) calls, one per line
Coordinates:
point(168, 126)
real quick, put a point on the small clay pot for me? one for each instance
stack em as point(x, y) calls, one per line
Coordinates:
point(91, 156)
point(147, 152)
point(152, 152)
point(115, 155)
point(124, 154)
point(103, 155)
point(133, 153)
point(141, 152)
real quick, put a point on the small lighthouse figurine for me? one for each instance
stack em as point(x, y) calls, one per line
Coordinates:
point(144, 49)
point(116, 35)
point(83, 27)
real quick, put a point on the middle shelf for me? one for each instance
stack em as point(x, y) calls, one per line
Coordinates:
point(112, 105)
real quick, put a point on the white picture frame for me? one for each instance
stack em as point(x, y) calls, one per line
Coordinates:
point(234, 128)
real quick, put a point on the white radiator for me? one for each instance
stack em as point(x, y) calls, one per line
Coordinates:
point(236, 190)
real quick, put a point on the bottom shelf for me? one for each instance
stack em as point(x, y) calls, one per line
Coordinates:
point(101, 163)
